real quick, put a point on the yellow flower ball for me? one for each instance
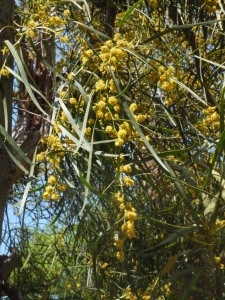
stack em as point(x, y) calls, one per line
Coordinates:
point(31, 24)
point(46, 196)
point(119, 142)
point(112, 100)
point(55, 196)
point(61, 187)
point(49, 189)
point(40, 156)
point(100, 85)
point(133, 107)
point(73, 101)
point(128, 181)
point(66, 13)
point(122, 133)
point(70, 77)
point(52, 179)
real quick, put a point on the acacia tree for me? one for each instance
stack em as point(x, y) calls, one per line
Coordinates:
point(131, 121)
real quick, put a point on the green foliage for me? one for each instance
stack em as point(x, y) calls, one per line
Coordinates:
point(129, 178)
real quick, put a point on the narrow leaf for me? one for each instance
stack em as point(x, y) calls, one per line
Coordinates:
point(181, 27)
point(128, 12)
point(11, 141)
point(23, 75)
point(212, 205)
point(27, 188)
point(171, 262)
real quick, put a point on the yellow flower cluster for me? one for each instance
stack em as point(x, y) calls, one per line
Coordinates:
point(138, 117)
point(124, 131)
point(125, 169)
point(40, 156)
point(30, 33)
point(5, 50)
point(52, 179)
point(113, 101)
point(167, 289)
point(101, 85)
point(120, 255)
point(154, 3)
point(211, 121)
point(166, 81)
point(42, 15)
point(4, 72)
point(170, 100)
point(130, 213)
point(66, 13)
point(55, 21)
point(133, 107)
point(119, 197)
point(105, 265)
point(111, 131)
point(88, 131)
point(86, 55)
point(113, 54)
point(107, 107)
point(70, 77)
point(73, 101)
point(53, 189)
point(128, 227)
point(100, 107)
point(220, 223)
point(218, 260)
point(112, 87)
point(119, 245)
point(31, 24)
point(211, 5)
point(128, 181)
point(53, 142)
point(129, 295)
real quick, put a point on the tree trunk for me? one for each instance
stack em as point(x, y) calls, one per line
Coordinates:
point(31, 122)
point(6, 93)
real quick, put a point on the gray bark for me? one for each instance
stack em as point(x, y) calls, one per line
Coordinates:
point(7, 167)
